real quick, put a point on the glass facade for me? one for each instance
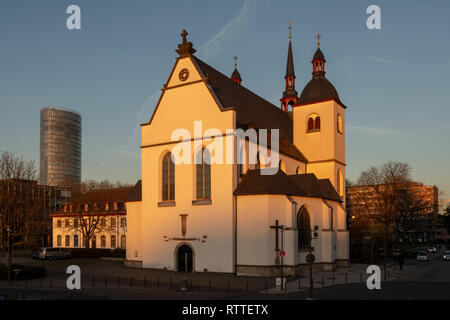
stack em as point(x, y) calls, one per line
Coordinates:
point(60, 159)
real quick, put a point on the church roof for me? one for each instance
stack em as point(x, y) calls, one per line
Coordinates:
point(318, 89)
point(136, 193)
point(251, 109)
point(303, 185)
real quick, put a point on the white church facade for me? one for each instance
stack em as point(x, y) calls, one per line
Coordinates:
point(230, 217)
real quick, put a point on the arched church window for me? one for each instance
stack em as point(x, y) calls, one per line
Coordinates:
point(340, 183)
point(168, 177)
point(339, 124)
point(203, 166)
point(310, 124)
point(241, 160)
point(313, 123)
point(304, 229)
point(317, 124)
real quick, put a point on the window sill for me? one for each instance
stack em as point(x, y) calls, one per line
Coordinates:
point(170, 203)
point(312, 131)
point(201, 202)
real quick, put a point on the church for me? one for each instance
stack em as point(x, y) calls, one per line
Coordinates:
point(206, 216)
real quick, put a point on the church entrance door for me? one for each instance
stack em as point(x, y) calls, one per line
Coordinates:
point(185, 258)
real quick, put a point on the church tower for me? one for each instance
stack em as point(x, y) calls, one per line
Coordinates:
point(290, 96)
point(319, 126)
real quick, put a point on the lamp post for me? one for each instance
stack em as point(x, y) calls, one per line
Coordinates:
point(314, 235)
point(8, 230)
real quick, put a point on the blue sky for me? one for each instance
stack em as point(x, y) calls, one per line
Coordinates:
point(395, 81)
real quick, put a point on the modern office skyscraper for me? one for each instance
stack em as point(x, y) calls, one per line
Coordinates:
point(60, 161)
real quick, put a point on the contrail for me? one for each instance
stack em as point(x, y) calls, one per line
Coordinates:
point(212, 47)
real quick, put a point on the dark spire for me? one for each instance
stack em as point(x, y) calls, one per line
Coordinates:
point(290, 61)
point(236, 76)
point(290, 96)
point(185, 48)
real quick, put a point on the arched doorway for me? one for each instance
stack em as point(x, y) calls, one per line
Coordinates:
point(185, 258)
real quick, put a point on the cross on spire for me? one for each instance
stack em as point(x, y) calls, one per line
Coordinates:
point(235, 58)
point(318, 39)
point(184, 34)
point(290, 29)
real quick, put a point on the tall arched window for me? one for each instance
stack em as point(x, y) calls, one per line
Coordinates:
point(203, 166)
point(304, 229)
point(103, 241)
point(310, 124)
point(339, 124)
point(168, 176)
point(113, 241)
point(58, 241)
point(340, 183)
point(67, 244)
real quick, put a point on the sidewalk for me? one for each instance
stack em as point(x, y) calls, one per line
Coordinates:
point(356, 273)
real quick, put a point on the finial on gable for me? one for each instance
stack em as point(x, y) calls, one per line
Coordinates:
point(185, 48)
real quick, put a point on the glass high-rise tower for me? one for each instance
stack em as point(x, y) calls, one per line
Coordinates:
point(60, 161)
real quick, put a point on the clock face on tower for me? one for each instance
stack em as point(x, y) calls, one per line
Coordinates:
point(184, 74)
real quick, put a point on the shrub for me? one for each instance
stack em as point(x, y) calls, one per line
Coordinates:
point(20, 272)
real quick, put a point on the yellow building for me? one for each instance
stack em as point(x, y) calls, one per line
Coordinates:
point(226, 216)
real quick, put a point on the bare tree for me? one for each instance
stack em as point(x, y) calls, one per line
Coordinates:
point(385, 186)
point(20, 217)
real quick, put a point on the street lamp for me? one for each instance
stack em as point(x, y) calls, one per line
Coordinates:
point(8, 230)
point(310, 260)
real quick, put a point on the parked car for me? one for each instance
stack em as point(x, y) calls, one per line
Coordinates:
point(422, 256)
point(53, 253)
point(446, 256)
point(432, 249)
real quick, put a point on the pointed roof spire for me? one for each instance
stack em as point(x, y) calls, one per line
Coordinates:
point(290, 58)
point(236, 76)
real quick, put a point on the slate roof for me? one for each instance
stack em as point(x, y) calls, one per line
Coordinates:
point(136, 193)
point(251, 109)
point(111, 195)
point(303, 185)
